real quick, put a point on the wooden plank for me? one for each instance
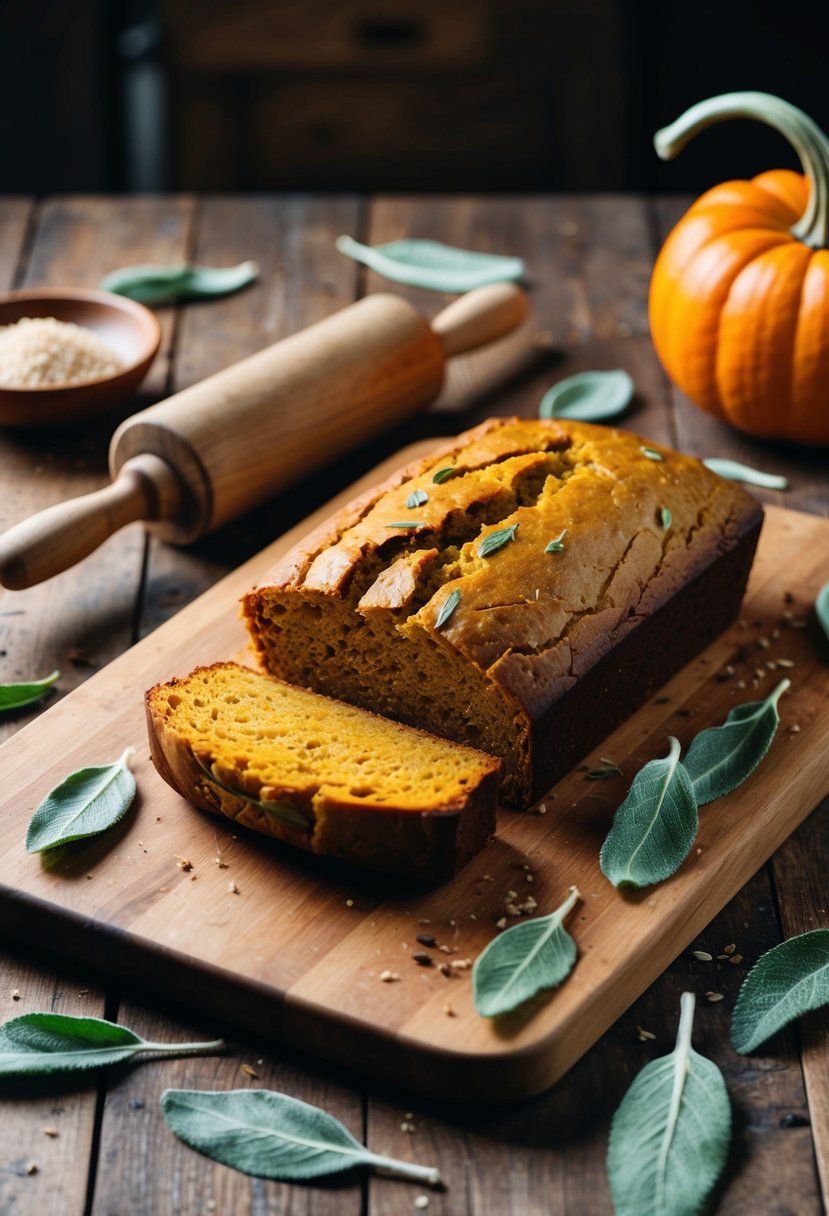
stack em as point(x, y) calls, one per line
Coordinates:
point(159, 1174)
point(799, 875)
point(86, 612)
point(15, 218)
point(588, 262)
point(703, 435)
point(319, 990)
point(302, 279)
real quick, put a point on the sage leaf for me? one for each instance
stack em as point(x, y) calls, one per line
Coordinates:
point(444, 474)
point(526, 959)
point(85, 803)
point(272, 1135)
point(38, 1044)
point(151, 284)
point(16, 696)
point(651, 453)
point(665, 517)
point(406, 523)
point(588, 396)
point(287, 812)
point(822, 609)
point(785, 982)
point(670, 1135)
point(432, 265)
point(556, 545)
point(722, 757)
point(448, 607)
point(655, 826)
point(496, 540)
point(416, 499)
point(732, 470)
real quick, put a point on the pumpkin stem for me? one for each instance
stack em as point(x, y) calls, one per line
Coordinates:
point(803, 134)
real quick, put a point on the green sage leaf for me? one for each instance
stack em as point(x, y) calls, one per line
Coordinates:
point(496, 540)
point(722, 757)
point(588, 396)
point(732, 470)
point(522, 961)
point(16, 696)
point(271, 1135)
point(161, 284)
point(444, 474)
point(670, 1135)
point(655, 826)
point(822, 609)
point(651, 453)
point(448, 607)
point(407, 523)
point(665, 517)
point(286, 811)
point(85, 803)
point(432, 265)
point(785, 982)
point(39, 1044)
point(556, 545)
point(416, 499)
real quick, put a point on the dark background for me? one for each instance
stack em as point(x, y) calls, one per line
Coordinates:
point(412, 95)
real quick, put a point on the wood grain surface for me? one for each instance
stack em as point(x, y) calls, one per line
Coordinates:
point(590, 260)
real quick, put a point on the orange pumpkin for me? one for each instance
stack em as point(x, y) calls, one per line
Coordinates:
point(739, 299)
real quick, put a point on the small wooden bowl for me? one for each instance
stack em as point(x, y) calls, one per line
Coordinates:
point(129, 328)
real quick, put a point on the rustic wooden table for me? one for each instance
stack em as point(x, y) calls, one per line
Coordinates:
point(589, 261)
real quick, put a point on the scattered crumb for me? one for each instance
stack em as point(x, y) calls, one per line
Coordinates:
point(785, 662)
point(794, 729)
point(444, 949)
point(51, 1131)
point(763, 643)
point(232, 888)
point(736, 958)
point(644, 1036)
point(703, 956)
point(502, 923)
point(31, 1168)
point(389, 977)
point(461, 964)
point(729, 949)
point(349, 903)
point(406, 1126)
point(420, 1201)
point(15, 994)
point(184, 863)
point(713, 997)
point(446, 970)
point(449, 1011)
point(249, 1070)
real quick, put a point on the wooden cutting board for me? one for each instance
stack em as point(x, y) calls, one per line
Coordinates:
point(292, 949)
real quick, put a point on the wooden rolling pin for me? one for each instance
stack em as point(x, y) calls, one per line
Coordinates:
point(218, 448)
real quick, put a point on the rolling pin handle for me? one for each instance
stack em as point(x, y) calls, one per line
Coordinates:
point(480, 316)
point(55, 539)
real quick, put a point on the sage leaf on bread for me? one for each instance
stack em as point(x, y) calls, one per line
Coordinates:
point(654, 828)
point(287, 812)
point(732, 470)
point(524, 960)
point(444, 474)
point(670, 1135)
point(588, 396)
point(406, 523)
point(17, 696)
point(39, 1044)
point(448, 607)
point(822, 609)
point(556, 545)
point(150, 284)
point(496, 540)
point(433, 265)
point(722, 757)
point(271, 1135)
point(85, 803)
point(416, 499)
point(651, 453)
point(665, 517)
point(785, 982)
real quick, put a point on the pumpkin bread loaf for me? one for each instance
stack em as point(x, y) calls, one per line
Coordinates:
point(327, 777)
point(523, 590)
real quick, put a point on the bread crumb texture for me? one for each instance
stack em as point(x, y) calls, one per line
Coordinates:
point(321, 774)
point(355, 611)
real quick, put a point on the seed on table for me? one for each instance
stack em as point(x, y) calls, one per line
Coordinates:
point(422, 958)
point(426, 939)
point(703, 956)
point(736, 958)
point(713, 997)
point(729, 949)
